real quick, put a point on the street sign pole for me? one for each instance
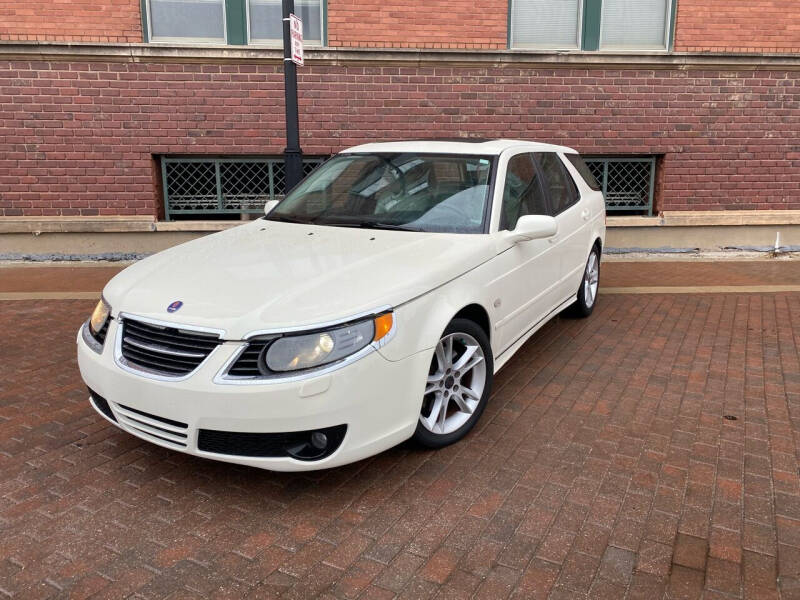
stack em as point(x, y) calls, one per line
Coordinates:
point(293, 155)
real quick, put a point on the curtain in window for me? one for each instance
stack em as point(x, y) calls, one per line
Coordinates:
point(266, 24)
point(545, 23)
point(634, 24)
point(192, 19)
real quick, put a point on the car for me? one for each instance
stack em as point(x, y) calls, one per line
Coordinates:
point(373, 304)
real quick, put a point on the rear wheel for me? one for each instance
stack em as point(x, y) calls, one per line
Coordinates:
point(587, 294)
point(458, 385)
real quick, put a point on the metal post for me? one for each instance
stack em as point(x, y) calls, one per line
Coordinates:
point(293, 155)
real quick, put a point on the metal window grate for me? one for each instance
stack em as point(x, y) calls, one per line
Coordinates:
point(211, 185)
point(628, 183)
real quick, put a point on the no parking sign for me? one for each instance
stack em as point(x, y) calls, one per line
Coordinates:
point(296, 32)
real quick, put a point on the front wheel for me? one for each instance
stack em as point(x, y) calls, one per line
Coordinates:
point(587, 294)
point(458, 385)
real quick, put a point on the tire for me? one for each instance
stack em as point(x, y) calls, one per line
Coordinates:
point(458, 395)
point(587, 293)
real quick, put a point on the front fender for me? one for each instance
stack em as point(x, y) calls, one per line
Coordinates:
point(420, 322)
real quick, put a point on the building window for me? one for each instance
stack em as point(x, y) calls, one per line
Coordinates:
point(233, 22)
point(223, 187)
point(266, 27)
point(180, 20)
point(634, 24)
point(591, 24)
point(628, 183)
point(551, 24)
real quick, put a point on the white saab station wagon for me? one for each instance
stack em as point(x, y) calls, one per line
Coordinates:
point(372, 305)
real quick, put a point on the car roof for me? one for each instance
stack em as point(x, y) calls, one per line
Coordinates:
point(474, 146)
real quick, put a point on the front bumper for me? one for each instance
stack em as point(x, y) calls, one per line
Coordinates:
point(378, 399)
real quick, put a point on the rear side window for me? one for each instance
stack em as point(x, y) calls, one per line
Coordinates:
point(584, 170)
point(522, 194)
point(560, 187)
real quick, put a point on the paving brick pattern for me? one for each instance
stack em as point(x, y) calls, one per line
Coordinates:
point(603, 467)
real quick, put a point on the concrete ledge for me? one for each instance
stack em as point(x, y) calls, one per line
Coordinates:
point(710, 218)
point(145, 223)
point(199, 226)
point(103, 224)
point(154, 52)
point(113, 235)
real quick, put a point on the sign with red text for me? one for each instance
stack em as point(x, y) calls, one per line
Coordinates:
point(296, 32)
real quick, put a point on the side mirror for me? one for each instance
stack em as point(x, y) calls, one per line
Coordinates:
point(270, 205)
point(533, 227)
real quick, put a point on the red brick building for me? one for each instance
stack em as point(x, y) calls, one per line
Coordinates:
point(170, 110)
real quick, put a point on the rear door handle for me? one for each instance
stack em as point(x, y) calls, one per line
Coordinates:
point(586, 214)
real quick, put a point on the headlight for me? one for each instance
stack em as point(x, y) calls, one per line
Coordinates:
point(99, 317)
point(308, 351)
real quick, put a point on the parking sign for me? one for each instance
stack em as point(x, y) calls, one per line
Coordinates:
point(296, 31)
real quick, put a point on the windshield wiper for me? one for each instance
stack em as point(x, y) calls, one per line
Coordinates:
point(369, 225)
point(285, 219)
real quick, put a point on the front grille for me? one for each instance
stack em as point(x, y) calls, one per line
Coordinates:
point(166, 350)
point(101, 404)
point(295, 444)
point(247, 363)
point(153, 426)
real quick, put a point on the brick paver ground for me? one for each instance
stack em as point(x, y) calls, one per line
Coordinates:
point(603, 467)
point(67, 277)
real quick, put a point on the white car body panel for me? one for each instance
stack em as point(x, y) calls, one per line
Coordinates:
point(274, 276)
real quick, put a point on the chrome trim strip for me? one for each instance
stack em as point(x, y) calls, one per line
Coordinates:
point(123, 364)
point(152, 422)
point(178, 326)
point(163, 349)
point(154, 431)
point(223, 378)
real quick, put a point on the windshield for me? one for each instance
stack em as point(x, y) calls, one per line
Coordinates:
point(414, 192)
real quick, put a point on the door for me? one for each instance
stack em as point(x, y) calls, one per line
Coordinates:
point(526, 288)
point(573, 217)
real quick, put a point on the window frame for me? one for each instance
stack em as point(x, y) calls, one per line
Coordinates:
point(235, 26)
point(575, 192)
point(590, 17)
point(148, 21)
point(668, 22)
point(578, 34)
point(538, 172)
point(323, 34)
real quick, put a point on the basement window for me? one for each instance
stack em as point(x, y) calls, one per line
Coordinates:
point(223, 187)
point(627, 183)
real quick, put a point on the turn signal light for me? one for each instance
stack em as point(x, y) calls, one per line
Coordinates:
point(383, 325)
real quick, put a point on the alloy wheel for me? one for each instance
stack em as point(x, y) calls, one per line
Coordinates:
point(455, 385)
point(590, 280)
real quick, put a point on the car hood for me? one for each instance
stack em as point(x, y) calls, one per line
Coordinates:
point(271, 275)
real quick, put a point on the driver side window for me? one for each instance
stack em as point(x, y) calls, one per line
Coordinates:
point(522, 194)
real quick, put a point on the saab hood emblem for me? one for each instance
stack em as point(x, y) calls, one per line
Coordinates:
point(174, 306)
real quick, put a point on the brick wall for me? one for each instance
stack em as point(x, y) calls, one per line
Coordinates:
point(71, 20)
point(79, 137)
point(418, 23)
point(730, 26)
point(702, 25)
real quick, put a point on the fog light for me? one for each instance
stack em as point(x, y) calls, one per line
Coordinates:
point(319, 440)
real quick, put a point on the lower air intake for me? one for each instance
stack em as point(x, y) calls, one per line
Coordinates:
point(314, 444)
point(101, 404)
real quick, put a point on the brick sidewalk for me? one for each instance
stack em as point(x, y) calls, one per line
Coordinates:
point(77, 277)
point(603, 467)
